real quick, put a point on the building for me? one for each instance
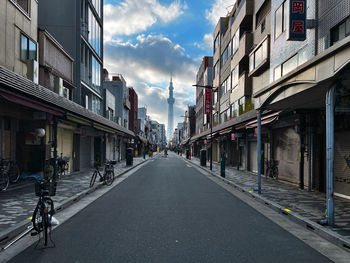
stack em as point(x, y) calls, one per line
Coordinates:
point(171, 101)
point(133, 110)
point(116, 88)
point(81, 35)
point(204, 78)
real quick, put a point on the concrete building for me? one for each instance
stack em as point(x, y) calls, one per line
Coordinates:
point(204, 78)
point(81, 35)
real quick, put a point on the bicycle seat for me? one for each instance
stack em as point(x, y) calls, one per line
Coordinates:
point(113, 162)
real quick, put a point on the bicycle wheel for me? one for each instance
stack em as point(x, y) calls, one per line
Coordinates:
point(275, 172)
point(37, 220)
point(14, 173)
point(4, 181)
point(108, 177)
point(93, 179)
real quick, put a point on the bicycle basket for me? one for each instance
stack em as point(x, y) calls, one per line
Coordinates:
point(41, 187)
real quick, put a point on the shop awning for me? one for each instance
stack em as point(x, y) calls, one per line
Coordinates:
point(21, 100)
point(264, 120)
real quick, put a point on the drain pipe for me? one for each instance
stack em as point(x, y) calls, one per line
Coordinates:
point(259, 150)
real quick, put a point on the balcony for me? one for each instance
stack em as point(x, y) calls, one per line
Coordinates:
point(243, 16)
point(245, 44)
point(244, 88)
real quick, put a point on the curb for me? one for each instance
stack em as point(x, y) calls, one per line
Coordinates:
point(325, 233)
point(7, 235)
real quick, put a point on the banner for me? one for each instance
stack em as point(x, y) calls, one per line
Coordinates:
point(297, 20)
point(207, 102)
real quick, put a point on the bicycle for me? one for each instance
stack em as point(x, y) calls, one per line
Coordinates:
point(62, 165)
point(44, 209)
point(108, 174)
point(271, 169)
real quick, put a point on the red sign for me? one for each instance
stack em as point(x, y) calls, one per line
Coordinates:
point(296, 30)
point(298, 7)
point(205, 141)
point(207, 103)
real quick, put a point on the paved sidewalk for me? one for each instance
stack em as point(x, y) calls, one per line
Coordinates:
point(311, 205)
point(17, 204)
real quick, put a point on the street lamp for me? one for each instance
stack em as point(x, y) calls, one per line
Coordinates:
point(211, 120)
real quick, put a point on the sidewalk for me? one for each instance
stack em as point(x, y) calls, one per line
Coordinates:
point(17, 204)
point(299, 203)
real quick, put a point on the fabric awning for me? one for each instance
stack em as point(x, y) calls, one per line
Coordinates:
point(142, 139)
point(264, 120)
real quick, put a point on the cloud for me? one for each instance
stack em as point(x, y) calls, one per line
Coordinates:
point(206, 44)
point(134, 16)
point(148, 65)
point(218, 9)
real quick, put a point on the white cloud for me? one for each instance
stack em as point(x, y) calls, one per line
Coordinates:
point(135, 16)
point(218, 9)
point(148, 65)
point(206, 44)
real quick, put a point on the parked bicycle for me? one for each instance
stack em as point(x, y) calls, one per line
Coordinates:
point(44, 209)
point(271, 169)
point(108, 173)
point(62, 165)
point(9, 173)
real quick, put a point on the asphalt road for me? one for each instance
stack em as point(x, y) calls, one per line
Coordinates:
point(170, 212)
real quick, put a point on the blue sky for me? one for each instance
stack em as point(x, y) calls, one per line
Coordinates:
point(147, 41)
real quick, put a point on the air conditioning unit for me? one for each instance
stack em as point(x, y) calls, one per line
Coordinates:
point(33, 70)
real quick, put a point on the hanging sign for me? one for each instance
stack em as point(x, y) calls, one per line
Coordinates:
point(205, 141)
point(296, 30)
point(233, 137)
point(207, 103)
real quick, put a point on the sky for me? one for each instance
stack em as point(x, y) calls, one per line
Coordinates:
point(148, 41)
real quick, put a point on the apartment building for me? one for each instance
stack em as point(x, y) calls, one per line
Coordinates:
point(81, 35)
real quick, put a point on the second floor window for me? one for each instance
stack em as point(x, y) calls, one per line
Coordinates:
point(217, 43)
point(28, 48)
point(340, 31)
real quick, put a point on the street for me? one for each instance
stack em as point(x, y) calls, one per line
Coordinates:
point(167, 211)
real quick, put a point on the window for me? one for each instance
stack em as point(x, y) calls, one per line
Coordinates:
point(28, 48)
point(216, 70)
point(226, 55)
point(215, 97)
point(235, 42)
point(96, 104)
point(97, 5)
point(96, 75)
point(94, 33)
point(259, 55)
point(234, 109)
point(277, 72)
point(234, 77)
point(340, 31)
point(23, 4)
point(217, 42)
point(281, 18)
point(289, 65)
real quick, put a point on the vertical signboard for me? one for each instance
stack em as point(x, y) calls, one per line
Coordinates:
point(207, 101)
point(296, 30)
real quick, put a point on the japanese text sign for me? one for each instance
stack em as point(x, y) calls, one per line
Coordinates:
point(207, 102)
point(296, 29)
